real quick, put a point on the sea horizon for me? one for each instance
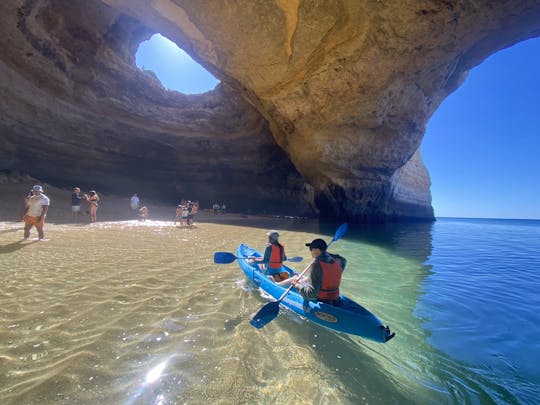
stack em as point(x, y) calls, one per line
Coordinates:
point(484, 218)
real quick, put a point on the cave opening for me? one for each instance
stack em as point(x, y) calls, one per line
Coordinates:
point(174, 68)
point(481, 144)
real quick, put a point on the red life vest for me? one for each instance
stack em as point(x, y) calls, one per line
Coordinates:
point(276, 258)
point(331, 278)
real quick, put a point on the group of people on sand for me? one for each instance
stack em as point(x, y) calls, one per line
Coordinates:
point(36, 205)
point(219, 208)
point(185, 212)
point(323, 278)
point(92, 198)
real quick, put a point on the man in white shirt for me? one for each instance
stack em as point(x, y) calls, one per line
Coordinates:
point(36, 211)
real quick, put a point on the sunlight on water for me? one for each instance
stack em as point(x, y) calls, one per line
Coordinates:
point(133, 312)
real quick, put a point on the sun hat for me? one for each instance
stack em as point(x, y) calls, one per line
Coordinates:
point(273, 234)
point(37, 187)
point(317, 244)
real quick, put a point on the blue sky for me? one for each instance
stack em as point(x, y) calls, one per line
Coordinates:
point(174, 67)
point(481, 146)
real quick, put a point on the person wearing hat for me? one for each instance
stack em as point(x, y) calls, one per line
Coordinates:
point(36, 211)
point(274, 256)
point(324, 277)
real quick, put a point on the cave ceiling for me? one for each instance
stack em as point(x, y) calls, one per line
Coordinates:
point(321, 109)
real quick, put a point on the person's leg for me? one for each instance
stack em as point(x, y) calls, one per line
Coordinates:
point(39, 227)
point(27, 227)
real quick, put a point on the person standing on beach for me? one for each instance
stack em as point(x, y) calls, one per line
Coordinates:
point(178, 214)
point(134, 204)
point(92, 199)
point(26, 198)
point(143, 213)
point(36, 211)
point(76, 202)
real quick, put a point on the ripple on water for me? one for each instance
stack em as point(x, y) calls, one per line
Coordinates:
point(133, 312)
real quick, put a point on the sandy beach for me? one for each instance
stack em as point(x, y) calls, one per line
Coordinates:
point(14, 188)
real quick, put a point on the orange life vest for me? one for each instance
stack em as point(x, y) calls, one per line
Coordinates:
point(276, 258)
point(331, 278)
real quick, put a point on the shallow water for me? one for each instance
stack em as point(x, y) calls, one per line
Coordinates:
point(137, 313)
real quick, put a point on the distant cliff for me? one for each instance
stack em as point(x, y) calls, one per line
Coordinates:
point(321, 109)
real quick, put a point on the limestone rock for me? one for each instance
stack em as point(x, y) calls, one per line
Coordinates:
point(322, 105)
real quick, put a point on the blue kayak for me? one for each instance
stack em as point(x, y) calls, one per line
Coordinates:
point(349, 317)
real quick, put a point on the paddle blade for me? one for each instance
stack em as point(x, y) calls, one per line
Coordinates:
point(295, 259)
point(265, 315)
point(224, 257)
point(340, 232)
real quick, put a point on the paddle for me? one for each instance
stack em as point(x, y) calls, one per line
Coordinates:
point(269, 311)
point(226, 257)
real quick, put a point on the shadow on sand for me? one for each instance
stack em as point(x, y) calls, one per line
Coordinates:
point(12, 247)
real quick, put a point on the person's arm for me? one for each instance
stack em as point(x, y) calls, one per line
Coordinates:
point(266, 258)
point(310, 289)
point(44, 209)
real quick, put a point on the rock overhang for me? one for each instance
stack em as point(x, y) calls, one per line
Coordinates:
point(322, 106)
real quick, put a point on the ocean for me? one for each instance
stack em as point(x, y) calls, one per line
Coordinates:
point(138, 313)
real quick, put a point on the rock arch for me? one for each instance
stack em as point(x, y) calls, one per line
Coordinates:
point(322, 105)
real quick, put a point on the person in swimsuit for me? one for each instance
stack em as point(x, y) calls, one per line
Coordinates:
point(92, 199)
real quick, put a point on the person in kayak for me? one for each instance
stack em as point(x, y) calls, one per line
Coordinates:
point(324, 277)
point(274, 256)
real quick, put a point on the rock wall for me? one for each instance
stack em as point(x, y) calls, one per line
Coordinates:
point(76, 110)
point(322, 105)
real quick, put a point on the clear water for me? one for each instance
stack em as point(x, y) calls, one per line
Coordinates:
point(138, 313)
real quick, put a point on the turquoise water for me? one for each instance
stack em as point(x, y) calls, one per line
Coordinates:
point(463, 297)
point(137, 313)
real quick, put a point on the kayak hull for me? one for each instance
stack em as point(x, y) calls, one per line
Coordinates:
point(349, 317)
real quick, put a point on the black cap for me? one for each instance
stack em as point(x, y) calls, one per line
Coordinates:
point(317, 244)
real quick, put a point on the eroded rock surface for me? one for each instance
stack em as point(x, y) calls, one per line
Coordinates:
point(322, 105)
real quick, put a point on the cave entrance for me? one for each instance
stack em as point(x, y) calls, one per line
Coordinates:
point(174, 68)
point(481, 145)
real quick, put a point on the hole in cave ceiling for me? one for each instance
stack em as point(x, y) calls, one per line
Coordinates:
point(174, 68)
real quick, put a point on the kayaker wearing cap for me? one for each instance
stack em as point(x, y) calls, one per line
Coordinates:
point(35, 212)
point(324, 277)
point(274, 256)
